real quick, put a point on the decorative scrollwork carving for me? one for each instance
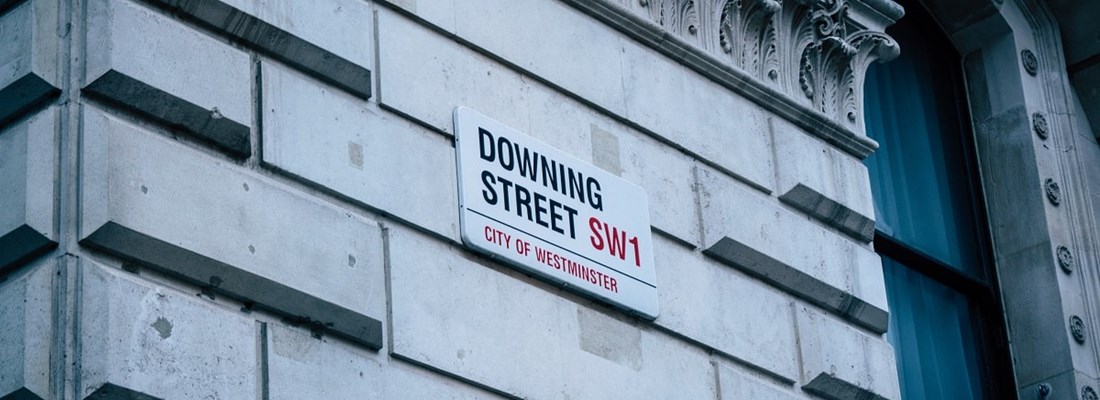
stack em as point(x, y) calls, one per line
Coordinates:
point(747, 33)
point(678, 16)
point(834, 57)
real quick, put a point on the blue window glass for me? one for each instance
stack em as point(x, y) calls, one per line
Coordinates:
point(933, 334)
point(918, 172)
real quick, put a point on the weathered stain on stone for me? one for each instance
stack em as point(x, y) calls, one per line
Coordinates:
point(605, 150)
point(613, 340)
point(293, 344)
point(355, 154)
point(163, 327)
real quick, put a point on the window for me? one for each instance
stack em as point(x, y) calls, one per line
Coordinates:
point(946, 323)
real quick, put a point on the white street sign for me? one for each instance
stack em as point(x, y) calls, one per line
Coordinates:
point(553, 215)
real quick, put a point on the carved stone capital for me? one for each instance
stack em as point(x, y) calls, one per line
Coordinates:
point(834, 51)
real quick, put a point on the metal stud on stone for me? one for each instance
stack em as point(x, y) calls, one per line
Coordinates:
point(1054, 193)
point(1088, 394)
point(1077, 328)
point(1031, 64)
point(1065, 259)
point(1039, 123)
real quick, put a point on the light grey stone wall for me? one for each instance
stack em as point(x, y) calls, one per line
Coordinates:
point(246, 199)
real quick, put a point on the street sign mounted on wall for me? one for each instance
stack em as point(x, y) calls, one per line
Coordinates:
point(553, 215)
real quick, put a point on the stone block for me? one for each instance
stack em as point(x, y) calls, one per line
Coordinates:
point(1015, 206)
point(358, 150)
point(667, 177)
point(26, 305)
point(738, 385)
point(840, 362)
point(136, 58)
point(141, 341)
point(28, 176)
point(329, 39)
point(28, 57)
point(300, 366)
point(756, 234)
point(720, 307)
point(498, 330)
point(552, 40)
point(164, 204)
point(568, 125)
point(700, 115)
point(415, 61)
point(822, 181)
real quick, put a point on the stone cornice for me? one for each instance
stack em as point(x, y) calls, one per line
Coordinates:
point(801, 59)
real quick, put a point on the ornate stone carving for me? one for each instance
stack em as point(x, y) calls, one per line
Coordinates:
point(1039, 124)
point(833, 53)
point(1065, 259)
point(747, 33)
point(1087, 393)
point(1031, 64)
point(1054, 193)
point(1077, 328)
point(678, 16)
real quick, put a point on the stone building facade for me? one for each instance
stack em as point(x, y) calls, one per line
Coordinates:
point(247, 199)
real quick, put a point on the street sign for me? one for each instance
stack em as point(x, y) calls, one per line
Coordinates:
point(553, 215)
